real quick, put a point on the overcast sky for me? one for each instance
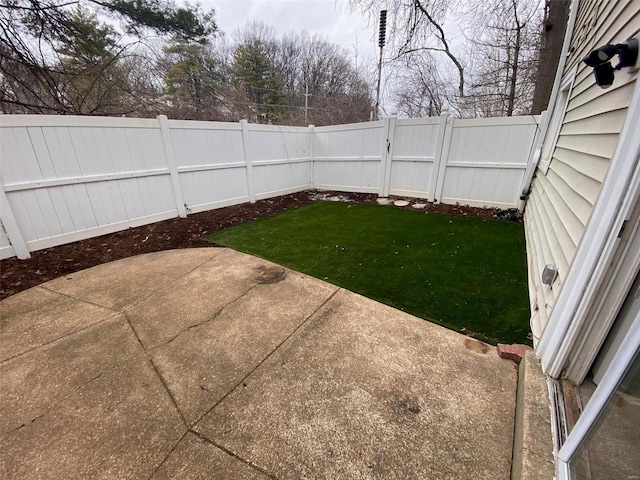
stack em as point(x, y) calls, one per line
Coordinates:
point(326, 17)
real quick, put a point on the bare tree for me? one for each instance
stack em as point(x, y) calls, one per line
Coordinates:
point(418, 89)
point(504, 39)
point(53, 60)
point(262, 33)
point(58, 57)
point(289, 64)
point(338, 93)
point(494, 65)
point(416, 26)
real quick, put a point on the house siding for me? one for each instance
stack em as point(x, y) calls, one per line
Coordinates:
point(562, 199)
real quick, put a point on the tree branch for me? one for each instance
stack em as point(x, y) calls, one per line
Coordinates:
point(441, 36)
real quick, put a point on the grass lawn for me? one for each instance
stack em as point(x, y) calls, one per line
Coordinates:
point(465, 273)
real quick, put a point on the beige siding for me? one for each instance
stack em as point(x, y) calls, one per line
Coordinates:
point(562, 200)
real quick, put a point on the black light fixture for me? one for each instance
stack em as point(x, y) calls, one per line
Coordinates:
point(600, 60)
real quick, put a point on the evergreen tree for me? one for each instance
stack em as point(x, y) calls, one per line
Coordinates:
point(193, 81)
point(259, 83)
point(90, 79)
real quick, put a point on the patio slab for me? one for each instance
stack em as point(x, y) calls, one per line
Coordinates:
point(208, 363)
point(117, 285)
point(196, 458)
point(38, 316)
point(372, 392)
point(205, 363)
point(33, 383)
point(161, 317)
point(120, 425)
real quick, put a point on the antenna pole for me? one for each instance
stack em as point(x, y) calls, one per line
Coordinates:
point(381, 42)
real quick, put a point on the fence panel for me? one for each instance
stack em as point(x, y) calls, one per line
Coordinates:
point(281, 159)
point(210, 162)
point(487, 161)
point(348, 157)
point(414, 152)
point(68, 178)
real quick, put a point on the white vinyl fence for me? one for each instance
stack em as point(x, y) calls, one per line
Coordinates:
point(68, 178)
point(480, 162)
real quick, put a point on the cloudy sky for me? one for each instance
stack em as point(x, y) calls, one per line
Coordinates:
point(326, 17)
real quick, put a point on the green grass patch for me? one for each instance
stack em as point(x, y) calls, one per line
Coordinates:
point(468, 274)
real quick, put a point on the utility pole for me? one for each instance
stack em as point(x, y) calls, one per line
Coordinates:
point(381, 41)
point(306, 102)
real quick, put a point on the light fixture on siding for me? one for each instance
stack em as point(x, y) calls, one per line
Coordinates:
point(600, 60)
point(549, 274)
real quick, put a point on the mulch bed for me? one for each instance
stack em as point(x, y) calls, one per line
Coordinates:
point(44, 265)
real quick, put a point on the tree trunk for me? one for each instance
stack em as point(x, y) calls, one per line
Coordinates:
point(554, 28)
point(514, 72)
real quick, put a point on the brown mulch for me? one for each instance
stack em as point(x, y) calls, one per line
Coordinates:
point(44, 265)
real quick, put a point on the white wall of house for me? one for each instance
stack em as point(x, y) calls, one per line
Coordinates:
point(573, 166)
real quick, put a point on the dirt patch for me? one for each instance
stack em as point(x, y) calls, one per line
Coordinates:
point(476, 346)
point(271, 274)
point(409, 405)
point(44, 265)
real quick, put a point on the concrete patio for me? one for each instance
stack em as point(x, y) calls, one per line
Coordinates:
point(209, 363)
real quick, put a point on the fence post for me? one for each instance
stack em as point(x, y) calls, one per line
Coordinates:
point(244, 127)
point(391, 133)
point(383, 155)
point(312, 135)
point(12, 228)
point(443, 141)
point(172, 165)
point(384, 150)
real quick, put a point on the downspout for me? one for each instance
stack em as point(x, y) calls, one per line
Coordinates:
point(532, 162)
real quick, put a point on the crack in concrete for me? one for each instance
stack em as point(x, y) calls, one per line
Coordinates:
point(128, 359)
point(77, 299)
point(180, 277)
point(74, 332)
point(157, 372)
point(276, 348)
point(210, 319)
point(137, 301)
point(166, 387)
point(164, 460)
point(538, 455)
point(234, 455)
point(52, 406)
point(157, 368)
